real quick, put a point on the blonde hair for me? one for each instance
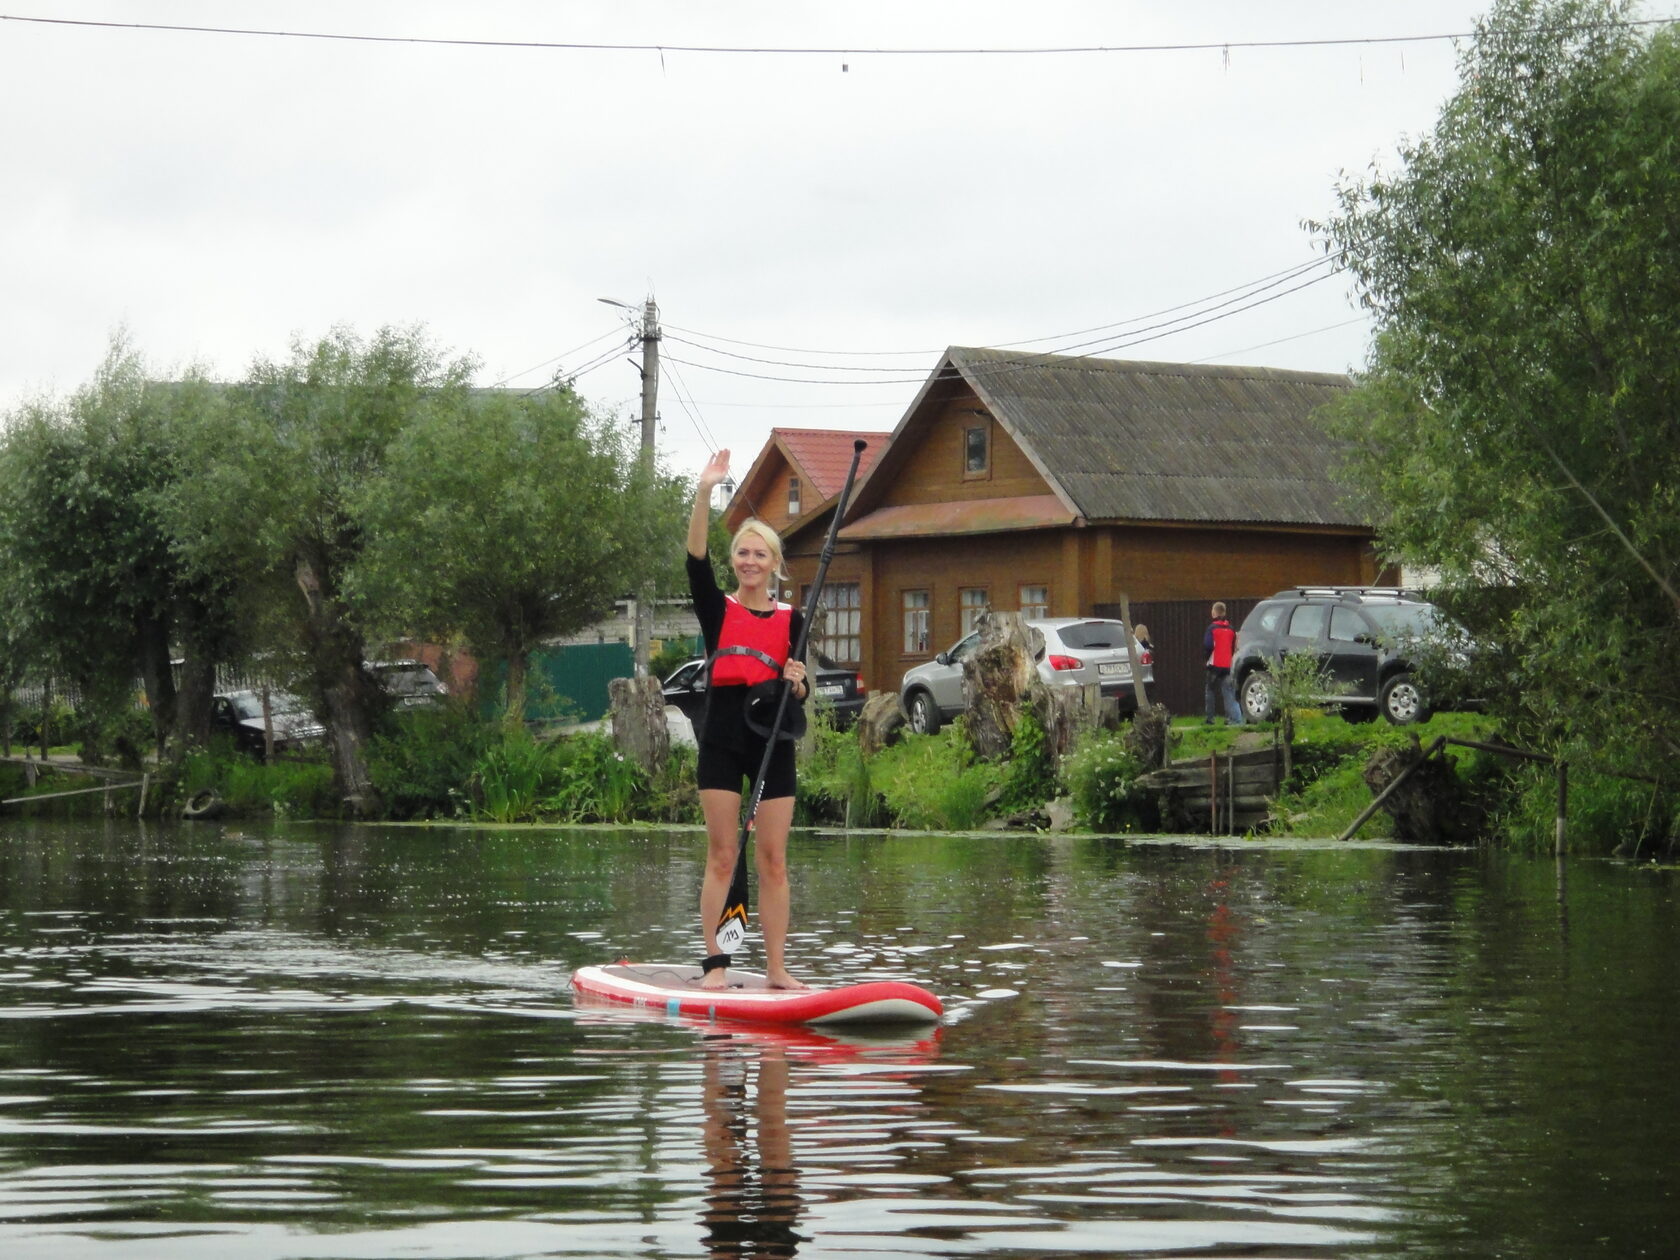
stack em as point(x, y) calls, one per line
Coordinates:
point(771, 538)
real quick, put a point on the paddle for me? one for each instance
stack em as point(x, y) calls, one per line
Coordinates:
point(732, 926)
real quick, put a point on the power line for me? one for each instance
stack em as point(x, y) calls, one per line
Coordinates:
point(1278, 341)
point(1094, 349)
point(599, 361)
point(700, 427)
point(731, 49)
point(556, 359)
point(1277, 276)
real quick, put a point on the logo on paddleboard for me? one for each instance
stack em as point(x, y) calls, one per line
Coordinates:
point(733, 930)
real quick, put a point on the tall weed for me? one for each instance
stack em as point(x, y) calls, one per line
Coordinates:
point(933, 783)
point(510, 777)
point(591, 781)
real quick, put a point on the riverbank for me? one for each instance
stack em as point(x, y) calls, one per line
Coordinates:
point(448, 765)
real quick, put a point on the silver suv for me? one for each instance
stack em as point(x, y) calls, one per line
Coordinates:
point(1069, 651)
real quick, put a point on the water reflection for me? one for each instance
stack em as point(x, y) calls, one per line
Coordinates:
point(325, 1042)
point(752, 1203)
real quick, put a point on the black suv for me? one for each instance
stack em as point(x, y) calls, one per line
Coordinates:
point(1361, 635)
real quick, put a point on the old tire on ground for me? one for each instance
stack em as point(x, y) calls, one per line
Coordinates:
point(202, 805)
point(924, 713)
point(1256, 697)
point(1402, 701)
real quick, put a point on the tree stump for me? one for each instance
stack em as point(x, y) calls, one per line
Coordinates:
point(1066, 711)
point(638, 722)
point(1432, 806)
point(998, 679)
point(879, 723)
point(1146, 738)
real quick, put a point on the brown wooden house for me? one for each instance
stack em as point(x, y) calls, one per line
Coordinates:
point(1055, 486)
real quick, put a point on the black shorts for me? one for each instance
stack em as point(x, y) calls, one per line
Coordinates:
point(724, 769)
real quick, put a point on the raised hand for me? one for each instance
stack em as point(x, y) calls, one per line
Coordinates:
point(716, 469)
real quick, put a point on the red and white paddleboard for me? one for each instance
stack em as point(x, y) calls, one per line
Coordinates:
point(675, 989)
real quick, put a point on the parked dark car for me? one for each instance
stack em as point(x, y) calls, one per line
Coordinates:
point(239, 715)
point(1368, 638)
point(840, 689)
point(1069, 652)
point(412, 684)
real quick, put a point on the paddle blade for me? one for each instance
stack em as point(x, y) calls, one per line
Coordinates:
point(732, 927)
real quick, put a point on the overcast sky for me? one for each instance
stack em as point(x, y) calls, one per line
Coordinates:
point(220, 194)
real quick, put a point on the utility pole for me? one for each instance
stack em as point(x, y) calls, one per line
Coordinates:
point(650, 398)
point(647, 332)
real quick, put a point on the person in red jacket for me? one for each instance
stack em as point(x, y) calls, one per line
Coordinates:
point(1219, 642)
point(749, 639)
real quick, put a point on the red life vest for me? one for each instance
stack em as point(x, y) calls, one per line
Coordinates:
point(1224, 639)
point(761, 637)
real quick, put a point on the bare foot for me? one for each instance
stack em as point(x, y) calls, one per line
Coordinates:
point(715, 979)
point(780, 979)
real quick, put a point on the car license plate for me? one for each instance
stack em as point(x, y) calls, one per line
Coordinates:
point(834, 690)
point(1114, 667)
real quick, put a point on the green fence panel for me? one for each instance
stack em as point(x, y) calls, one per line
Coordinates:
point(566, 683)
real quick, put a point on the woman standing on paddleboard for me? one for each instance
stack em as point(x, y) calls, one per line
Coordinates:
point(749, 640)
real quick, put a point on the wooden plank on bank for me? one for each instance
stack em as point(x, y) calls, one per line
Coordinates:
point(53, 796)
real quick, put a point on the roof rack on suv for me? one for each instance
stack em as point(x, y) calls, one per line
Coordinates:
point(1349, 592)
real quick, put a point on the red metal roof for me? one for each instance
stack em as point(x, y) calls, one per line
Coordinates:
point(824, 455)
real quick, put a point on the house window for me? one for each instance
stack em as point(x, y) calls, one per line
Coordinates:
point(838, 633)
point(917, 606)
point(971, 601)
point(1035, 601)
point(977, 450)
point(793, 496)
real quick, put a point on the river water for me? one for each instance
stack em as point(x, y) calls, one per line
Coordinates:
point(322, 1041)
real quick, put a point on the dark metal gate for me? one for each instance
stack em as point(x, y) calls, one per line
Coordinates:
point(1176, 627)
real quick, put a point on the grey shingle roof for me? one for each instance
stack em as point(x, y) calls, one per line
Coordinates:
point(1169, 441)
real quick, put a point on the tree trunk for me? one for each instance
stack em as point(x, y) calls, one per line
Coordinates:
point(192, 700)
point(518, 672)
point(997, 679)
point(203, 643)
point(341, 686)
point(159, 679)
point(638, 722)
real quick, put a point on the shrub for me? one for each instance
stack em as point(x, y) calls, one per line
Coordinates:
point(121, 737)
point(671, 654)
point(422, 764)
point(673, 796)
point(831, 773)
point(1100, 775)
point(1030, 775)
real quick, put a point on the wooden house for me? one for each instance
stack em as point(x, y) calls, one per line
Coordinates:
point(1056, 485)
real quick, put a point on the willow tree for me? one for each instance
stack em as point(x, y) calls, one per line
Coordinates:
point(1519, 420)
point(517, 521)
point(277, 507)
point(93, 580)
